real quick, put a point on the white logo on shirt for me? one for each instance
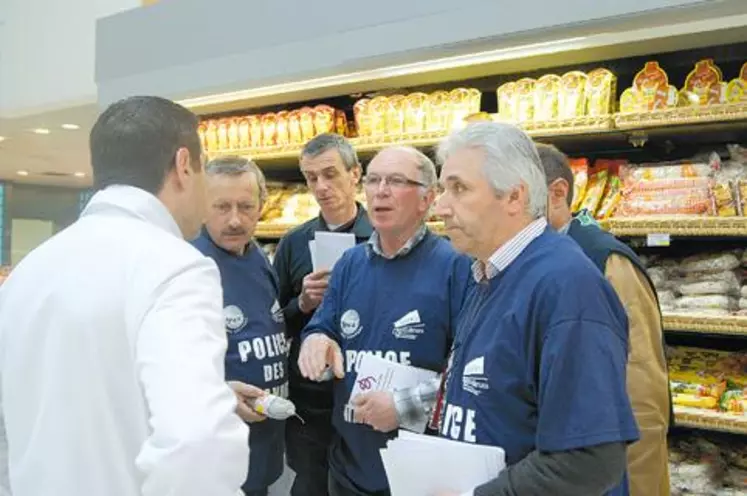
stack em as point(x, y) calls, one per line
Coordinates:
point(350, 324)
point(473, 377)
point(235, 319)
point(277, 313)
point(409, 326)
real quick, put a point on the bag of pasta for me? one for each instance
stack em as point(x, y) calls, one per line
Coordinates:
point(580, 169)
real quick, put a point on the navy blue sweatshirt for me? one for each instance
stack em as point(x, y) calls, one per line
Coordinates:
point(403, 310)
point(257, 351)
point(539, 358)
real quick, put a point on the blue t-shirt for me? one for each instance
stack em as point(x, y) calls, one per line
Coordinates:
point(403, 310)
point(539, 358)
point(257, 349)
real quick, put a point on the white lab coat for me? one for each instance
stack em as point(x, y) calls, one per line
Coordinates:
point(112, 346)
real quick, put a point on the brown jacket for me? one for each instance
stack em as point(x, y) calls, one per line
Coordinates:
point(647, 381)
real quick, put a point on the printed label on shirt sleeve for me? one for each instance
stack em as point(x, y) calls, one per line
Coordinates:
point(459, 423)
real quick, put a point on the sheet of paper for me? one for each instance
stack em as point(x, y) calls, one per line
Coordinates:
point(379, 374)
point(329, 248)
point(418, 465)
point(312, 252)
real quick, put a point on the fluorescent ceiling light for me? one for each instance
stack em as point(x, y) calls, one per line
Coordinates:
point(2, 138)
point(41, 130)
point(23, 173)
point(80, 174)
point(70, 127)
point(477, 58)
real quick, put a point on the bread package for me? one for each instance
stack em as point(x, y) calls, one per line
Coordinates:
point(572, 97)
point(507, 102)
point(378, 109)
point(416, 112)
point(439, 111)
point(255, 125)
point(307, 123)
point(223, 125)
point(282, 129)
point(546, 92)
point(395, 119)
point(461, 105)
point(245, 133)
point(269, 129)
point(295, 136)
point(324, 119)
point(362, 117)
point(524, 99)
point(601, 88)
point(234, 141)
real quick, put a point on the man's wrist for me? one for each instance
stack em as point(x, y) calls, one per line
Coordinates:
point(299, 304)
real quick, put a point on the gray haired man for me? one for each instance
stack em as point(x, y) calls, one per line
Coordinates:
point(257, 352)
point(332, 171)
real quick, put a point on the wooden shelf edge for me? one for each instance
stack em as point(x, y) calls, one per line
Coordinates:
point(728, 325)
point(710, 420)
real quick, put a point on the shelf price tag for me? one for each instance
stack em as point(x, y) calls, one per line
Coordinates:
point(658, 239)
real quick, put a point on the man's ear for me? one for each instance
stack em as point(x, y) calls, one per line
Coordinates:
point(183, 165)
point(356, 172)
point(559, 192)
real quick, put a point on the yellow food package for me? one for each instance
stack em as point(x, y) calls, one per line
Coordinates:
point(245, 133)
point(723, 199)
point(378, 110)
point(611, 199)
point(601, 88)
point(595, 190)
point(687, 98)
point(572, 96)
point(736, 91)
point(693, 401)
point(460, 100)
point(294, 127)
point(546, 91)
point(395, 120)
point(475, 100)
point(324, 119)
point(507, 102)
point(439, 111)
point(307, 123)
point(282, 129)
point(701, 78)
point(362, 117)
point(202, 133)
point(580, 168)
point(223, 134)
point(717, 93)
point(269, 129)
point(233, 134)
point(524, 99)
point(742, 197)
point(629, 101)
point(416, 112)
point(255, 125)
point(652, 82)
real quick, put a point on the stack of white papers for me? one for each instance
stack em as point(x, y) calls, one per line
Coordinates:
point(327, 247)
point(419, 465)
point(379, 374)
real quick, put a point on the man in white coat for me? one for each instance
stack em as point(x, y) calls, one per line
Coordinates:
point(111, 333)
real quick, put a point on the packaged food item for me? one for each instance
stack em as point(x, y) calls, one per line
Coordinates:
point(594, 190)
point(507, 102)
point(524, 91)
point(601, 88)
point(695, 401)
point(307, 123)
point(612, 198)
point(724, 203)
point(700, 80)
point(717, 93)
point(341, 123)
point(729, 277)
point(580, 168)
point(362, 117)
point(743, 303)
point(736, 91)
point(475, 100)
point(245, 133)
point(324, 119)
point(652, 83)
point(667, 299)
point(395, 122)
point(479, 117)
point(378, 110)
point(233, 134)
point(631, 101)
point(416, 113)
point(743, 292)
point(676, 202)
point(741, 191)
point(705, 288)
point(269, 129)
point(706, 302)
point(439, 111)
point(295, 136)
point(282, 131)
point(223, 134)
point(202, 133)
point(640, 173)
point(717, 262)
point(461, 105)
point(546, 93)
point(572, 96)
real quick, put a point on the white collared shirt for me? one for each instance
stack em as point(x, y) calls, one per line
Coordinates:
point(112, 346)
point(508, 252)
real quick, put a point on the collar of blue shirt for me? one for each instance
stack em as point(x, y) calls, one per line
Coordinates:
point(374, 244)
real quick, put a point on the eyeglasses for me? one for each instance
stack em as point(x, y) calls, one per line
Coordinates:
point(393, 181)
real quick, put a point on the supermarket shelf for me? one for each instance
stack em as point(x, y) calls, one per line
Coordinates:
point(710, 420)
point(682, 116)
point(273, 230)
point(731, 325)
point(678, 226)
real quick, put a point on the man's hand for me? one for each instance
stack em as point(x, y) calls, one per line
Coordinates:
point(377, 410)
point(317, 352)
point(312, 290)
point(245, 393)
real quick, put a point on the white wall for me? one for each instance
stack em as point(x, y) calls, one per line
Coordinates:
point(47, 53)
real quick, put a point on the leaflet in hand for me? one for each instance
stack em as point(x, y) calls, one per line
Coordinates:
point(379, 374)
point(419, 465)
point(327, 247)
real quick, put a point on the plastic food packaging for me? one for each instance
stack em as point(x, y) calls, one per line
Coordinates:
point(706, 288)
point(572, 96)
point(507, 102)
point(282, 136)
point(595, 190)
point(715, 302)
point(743, 292)
point(269, 129)
point(710, 263)
point(234, 139)
point(580, 168)
point(601, 88)
point(546, 91)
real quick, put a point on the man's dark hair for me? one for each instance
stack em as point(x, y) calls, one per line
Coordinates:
point(556, 166)
point(330, 141)
point(134, 142)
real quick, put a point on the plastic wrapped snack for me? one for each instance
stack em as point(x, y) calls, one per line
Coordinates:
point(601, 88)
point(572, 95)
point(728, 276)
point(525, 99)
point(724, 203)
point(706, 302)
point(580, 168)
point(710, 263)
point(507, 102)
point(362, 117)
point(675, 202)
point(223, 126)
point(640, 173)
point(282, 129)
point(705, 288)
point(741, 193)
point(546, 91)
point(705, 76)
point(416, 111)
point(395, 118)
point(595, 190)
